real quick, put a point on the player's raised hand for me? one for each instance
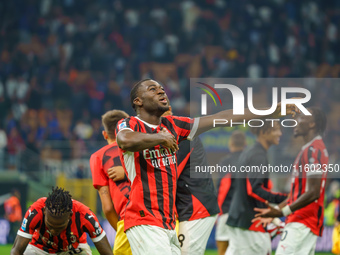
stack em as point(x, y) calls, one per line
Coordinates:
point(169, 140)
point(269, 212)
point(263, 221)
point(291, 109)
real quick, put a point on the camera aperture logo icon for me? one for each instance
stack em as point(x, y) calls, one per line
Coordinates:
point(204, 97)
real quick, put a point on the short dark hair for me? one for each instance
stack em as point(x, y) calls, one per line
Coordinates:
point(267, 126)
point(134, 91)
point(110, 120)
point(238, 139)
point(320, 119)
point(59, 201)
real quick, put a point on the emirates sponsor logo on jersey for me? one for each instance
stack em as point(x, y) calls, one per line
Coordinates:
point(160, 157)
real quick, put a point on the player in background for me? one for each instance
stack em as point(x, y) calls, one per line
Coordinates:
point(304, 208)
point(148, 143)
point(196, 200)
point(226, 187)
point(109, 179)
point(13, 213)
point(252, 189)
point(58, 225)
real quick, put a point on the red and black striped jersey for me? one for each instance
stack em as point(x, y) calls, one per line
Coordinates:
point(100, 162)
point(153, 174)
point(82, 221)
point(196, 196)
point(311, 162)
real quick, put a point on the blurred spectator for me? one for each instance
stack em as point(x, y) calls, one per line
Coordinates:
point(80, 172)
point(3, 145)
point(69, 61)
point(83, 130)
point(34, 101)
point(13, 214)
point(15, 145)
point(3, 108)
point(332, 208)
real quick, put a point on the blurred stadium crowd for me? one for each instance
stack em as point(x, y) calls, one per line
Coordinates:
point(64, 63)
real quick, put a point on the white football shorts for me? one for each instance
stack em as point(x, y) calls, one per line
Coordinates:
point(244, 241)
point(153, 240)
point(193, 235)
point(296, 239)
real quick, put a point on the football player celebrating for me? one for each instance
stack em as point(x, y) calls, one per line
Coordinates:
point(148, 143)
point(304, 208)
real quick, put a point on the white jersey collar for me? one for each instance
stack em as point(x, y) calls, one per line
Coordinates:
point(150, 125)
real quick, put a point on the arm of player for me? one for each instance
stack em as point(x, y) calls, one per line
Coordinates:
point(256, 190)
point(103, 246)
point(312, 194)
point(283, 203)
point(136, 141)
point(255, 183)
point(116, 173)
point(207, 122)
point(107, 205)
point(19, 246)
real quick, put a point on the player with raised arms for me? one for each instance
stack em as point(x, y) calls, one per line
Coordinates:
point(148, 143)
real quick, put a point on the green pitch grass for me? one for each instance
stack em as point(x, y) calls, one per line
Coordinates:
point(6, 249)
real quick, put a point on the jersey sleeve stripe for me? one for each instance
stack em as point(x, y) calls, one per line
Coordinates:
point(98, 238)
point(252, 194)
point(193, 129)
point(23, 234)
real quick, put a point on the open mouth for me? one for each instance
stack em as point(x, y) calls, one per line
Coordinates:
point(163, 100)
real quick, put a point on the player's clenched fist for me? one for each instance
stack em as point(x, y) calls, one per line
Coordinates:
point(169, 140)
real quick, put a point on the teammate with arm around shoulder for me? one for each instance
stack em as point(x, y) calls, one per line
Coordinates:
point(109, 179)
